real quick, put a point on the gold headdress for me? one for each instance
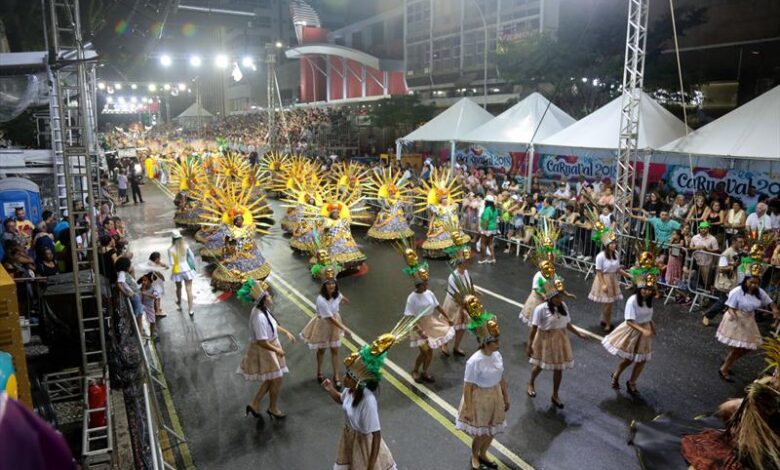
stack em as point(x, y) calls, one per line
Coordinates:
point(460, 251)
point(482, 323)
point(390, 186)
point(223, 202)
point(252, 290)
point(753, 264)
point(366, 365)
point(441, 184)
point(188, 174)
point(349, 176)
point(549, 288)
point(546, 252)
point(645, 274)
point(418, 271)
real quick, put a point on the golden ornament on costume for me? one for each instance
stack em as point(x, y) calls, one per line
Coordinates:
point(391, 191)
point(439, 197)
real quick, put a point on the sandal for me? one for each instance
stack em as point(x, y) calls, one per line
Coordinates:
point(488, 463)
point(320, 379)
point(428, 378)
point(445, 351)
point(615, 383)
point(557, 403)
point(459, 352)
point(530, 391)
point(631, 388)
point(417, 377)
point(725, 377)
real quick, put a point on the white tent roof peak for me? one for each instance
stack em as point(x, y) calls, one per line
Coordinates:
point(601, 128)
point(750, 131)
point(532, 119)
point(452, 124)
point(195, 110)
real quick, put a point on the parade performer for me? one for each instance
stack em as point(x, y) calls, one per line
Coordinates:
point(545, 255)
point(361, 446)
point(738, 330)
point(183, 268)
point(548, 344)
point(190, 180)
point(439, 196)
point(744, 434)
point(237, 215)
point(308, 228)
point(606, 284)
point(432, 331)
point(485, 399)
point(274, 165)
point(263, 359)
point(324, 332)
point(301, 172)
point(631, 340)
point(460, 255)
point(351, 179)
point(390, 189)
point(338, 212)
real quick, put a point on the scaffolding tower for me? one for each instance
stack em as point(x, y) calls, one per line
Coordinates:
point(633, 79)
point(72, 108)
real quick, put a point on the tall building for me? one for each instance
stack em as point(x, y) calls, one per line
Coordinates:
point(445, 43)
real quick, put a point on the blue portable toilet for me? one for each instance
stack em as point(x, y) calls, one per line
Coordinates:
point(19, 192)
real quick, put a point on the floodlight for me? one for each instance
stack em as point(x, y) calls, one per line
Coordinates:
point(165, 60)
point(196, 61)
point(221, 61)
point(152, 87)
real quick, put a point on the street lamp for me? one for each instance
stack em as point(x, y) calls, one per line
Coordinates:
point(117, 86)
point(279, 44)
point(196, 61)
point(152, 87)
point(165, 60)
point(182, 86)
point(221, 61)
point(247, 62)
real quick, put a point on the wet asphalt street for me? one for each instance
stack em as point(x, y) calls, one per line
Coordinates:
point(208, 397)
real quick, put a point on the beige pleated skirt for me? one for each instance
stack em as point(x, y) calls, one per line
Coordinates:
point(533, 301)
point(320, 333)
point(260, 364)
point(628, 343)
point(486, 415)
point(739, 329)
point(458, 315)
point(436, 328)
point(552, 350)
point(355, 450)
point(612, 294)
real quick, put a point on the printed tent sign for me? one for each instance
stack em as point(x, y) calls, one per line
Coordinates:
point(680, 178)
point(481, 157)
point(572, 166)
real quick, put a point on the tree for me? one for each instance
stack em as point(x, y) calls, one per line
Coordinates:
point(583, 64)
point(402, 114)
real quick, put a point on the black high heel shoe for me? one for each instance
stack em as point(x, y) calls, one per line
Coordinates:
point(275, 416)
point(558, 404)
point(632, 390)
point(249, 409)
point(488, 463)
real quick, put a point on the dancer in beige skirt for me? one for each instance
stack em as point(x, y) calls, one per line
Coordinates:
point(485, 399)
point(361, 446)
point(631, 340)
point(324, 332)
point(263, 359)
point(548, 343)
point(460, 255)
point(738, 329)
point(606, 284)
point(545, 255)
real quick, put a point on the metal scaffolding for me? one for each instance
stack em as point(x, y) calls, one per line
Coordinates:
point(633, 78)
point(71, 69)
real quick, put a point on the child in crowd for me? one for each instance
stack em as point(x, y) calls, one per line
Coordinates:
point(127, 285)
point(150, 298)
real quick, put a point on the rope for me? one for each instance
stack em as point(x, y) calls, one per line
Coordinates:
point(680, 78)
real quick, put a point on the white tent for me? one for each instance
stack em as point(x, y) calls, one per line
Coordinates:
point(531, 120)
point(194, 116)
point(751, 131)
point(449, 126)
point(601, 129)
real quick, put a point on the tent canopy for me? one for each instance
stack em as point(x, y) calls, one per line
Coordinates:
point(601, 129)
point(452, 124)
point(518, 124)
point(751, 131)
point(195, 111)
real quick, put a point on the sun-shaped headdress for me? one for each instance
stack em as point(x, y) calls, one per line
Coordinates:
point(389, 185)
point(440, 185)
point(223, 202)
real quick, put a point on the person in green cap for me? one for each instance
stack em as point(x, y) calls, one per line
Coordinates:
point(705, 251)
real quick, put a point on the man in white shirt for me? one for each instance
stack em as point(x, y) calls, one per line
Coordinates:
point(562, 195)
point(759, 220)
point(705, 246)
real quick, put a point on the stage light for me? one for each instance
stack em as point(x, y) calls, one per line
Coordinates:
point(221, 61)
point(196, 61)
point(121, 100)
point(182, 86)
point(152, 87)
point(279, 44)
point(247, 62)
point(109, 100)
point(165, 60)
point(117, 86)
point(110, 91)
point(101, 86)
point(167, 87)
point(133, 86)
point(133, 99)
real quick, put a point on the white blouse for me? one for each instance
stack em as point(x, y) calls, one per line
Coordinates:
point(536, 280)
point(326, 308)
point(363, 418)
point(416, 303)
point(636, 313)
point(484, 371)
point(739, 300)
point(262, 328)
point(545, 320)
point(607, 266)
point(463, 279)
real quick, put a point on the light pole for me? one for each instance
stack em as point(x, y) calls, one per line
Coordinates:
point(484, 54)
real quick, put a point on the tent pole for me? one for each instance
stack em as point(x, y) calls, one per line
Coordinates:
point(452, 155)
point(530, 172)
point(645, 175)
